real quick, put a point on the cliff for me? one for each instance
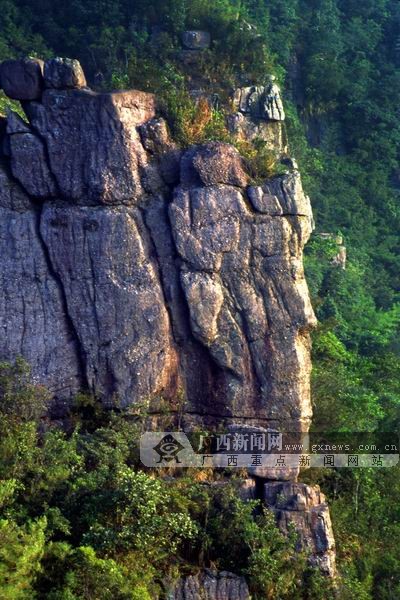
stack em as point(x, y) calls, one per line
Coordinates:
point(138, 271)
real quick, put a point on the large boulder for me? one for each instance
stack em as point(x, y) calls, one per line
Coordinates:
point(243, 280)
point(260, 102)
point(22, 79)
point(213, 163)
point(64, 73)
point(281, 195)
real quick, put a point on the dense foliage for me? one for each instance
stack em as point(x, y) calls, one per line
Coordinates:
point(338, 62)
point(80, 520)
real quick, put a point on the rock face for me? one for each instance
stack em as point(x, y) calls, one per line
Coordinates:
point(211, 585)
point(113, 296)
point(33, 318)
point(172, 270)
point(305, 508)
point(100, 159)
point(135, 270)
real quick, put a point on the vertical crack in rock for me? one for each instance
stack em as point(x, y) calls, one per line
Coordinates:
point(196, 370)
point(33, 320)
point(114, 298)
point(79, 350)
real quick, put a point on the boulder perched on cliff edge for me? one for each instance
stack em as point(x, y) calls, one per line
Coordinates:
point(213, 163)
point(64, 73)
point(260, 102)
point(22, 79)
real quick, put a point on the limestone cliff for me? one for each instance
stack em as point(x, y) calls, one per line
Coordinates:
point(135, 270)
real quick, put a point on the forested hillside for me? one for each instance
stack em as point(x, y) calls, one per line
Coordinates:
point(338, 63)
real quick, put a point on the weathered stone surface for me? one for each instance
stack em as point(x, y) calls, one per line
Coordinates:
point(260, 102)
point(196, 40)
point(114, 299)
point(244, 271)
point(213, 298)
point(205, 298)
point(304, 507)
point(282, 195)
point(64, 73)
point(100, 159)
point(211, 585)
point(22, 79)
point(33, 321)
point(211, 164)
point(29, 165)
point(245, 127)
point(11, 195)
point(259, 115)
point(155, 136)
point(156, 140)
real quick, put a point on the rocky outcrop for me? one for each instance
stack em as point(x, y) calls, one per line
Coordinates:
point(304, 508)
point(259, 114)
point(260, 102)
point(163, 261)
point(173, 271)
point(211, 585)
point(134, 270)
point(242, 276)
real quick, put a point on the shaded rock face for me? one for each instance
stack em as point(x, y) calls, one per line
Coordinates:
point(22, 79)
point(305, 508)
point(261, 102)
point(94, 151)
point(211, 585)
point(243, 281)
